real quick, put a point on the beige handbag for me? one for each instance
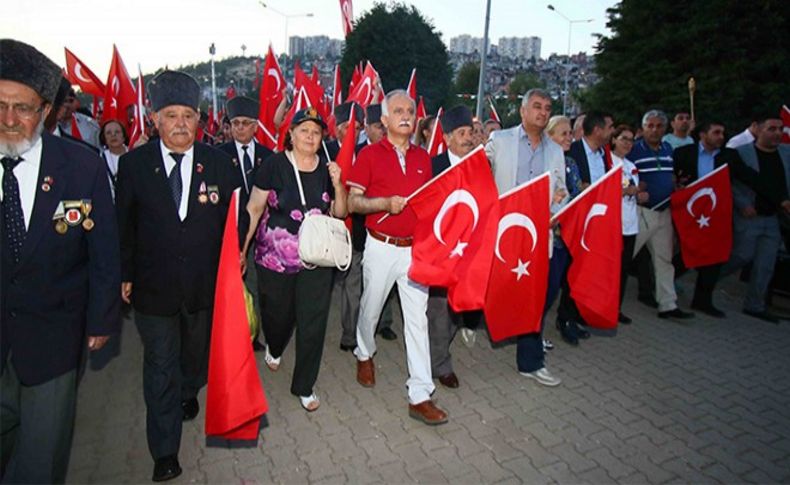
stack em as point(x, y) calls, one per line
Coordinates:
point(323, 240)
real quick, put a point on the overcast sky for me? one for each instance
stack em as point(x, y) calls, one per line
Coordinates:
point(155, 33)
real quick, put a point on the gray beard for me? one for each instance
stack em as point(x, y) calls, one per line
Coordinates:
point(15, 150)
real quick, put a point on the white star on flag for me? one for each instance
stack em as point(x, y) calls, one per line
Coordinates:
point(703, 221)
point(459, 249)
point(521, 269)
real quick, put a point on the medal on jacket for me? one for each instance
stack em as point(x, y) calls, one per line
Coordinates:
point(202, 196)
point(213, 194)
point(86, 207)
point(61, 227)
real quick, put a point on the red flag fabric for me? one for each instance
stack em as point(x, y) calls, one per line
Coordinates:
point(346, 155)
point(315, 76)
point(119, 92)
point(235, 400)
point(75, 129)
point(493, 114)
point(364, 92)
point(457, 213)
point(591, 227)
point(337, 90)
point(356, 77)
point(270, 97)
point(80, 75)
point(436, 145)
point(347, 16)
point(421, 113)
point(138, 127)
point(314, 93)
point(519, 276)
point(702, 213)
point(785, 124)
point(411, 88)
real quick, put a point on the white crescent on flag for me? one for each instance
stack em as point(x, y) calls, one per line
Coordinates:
point(273, 73)
point(458, 196)
point(703, 221)
point(595, 211)
point(511, 220)
point(78, 73)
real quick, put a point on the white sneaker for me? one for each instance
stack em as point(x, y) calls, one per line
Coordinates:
point(272, 363)
point(543, 376)
point(547, 345)
point(468, 336)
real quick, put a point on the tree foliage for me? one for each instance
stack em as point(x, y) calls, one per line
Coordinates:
point(397, 38)
point(736, 51)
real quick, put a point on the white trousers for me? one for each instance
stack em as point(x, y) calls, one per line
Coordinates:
point(384, 265)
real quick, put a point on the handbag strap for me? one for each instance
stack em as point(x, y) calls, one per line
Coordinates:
point(298, 178)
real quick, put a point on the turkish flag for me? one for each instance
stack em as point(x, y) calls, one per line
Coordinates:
point(493, 115)
point(271, 95)
point(230, 93)
point(347, 14)
point(702, 213)
point(346, 155)
point(301, 100)
point(75, 129)
point(337, 90)
point(305, 86)
point(119, 92)
point(78, 73)
point(138, 127)
point(411, 88)
point(364, 91)
point(436, 145)
point(785, 114)
point(591, 226)
point(421, 113)
point(235, 400)
point(456, 230)
point(520, 268)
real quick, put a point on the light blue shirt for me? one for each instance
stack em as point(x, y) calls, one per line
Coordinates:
point(705, 160)
point(531, 161)
point(594, 161)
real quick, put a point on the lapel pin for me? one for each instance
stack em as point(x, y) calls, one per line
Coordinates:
point(199, 168)
point(156, 170)
point(61, 227)
point(45, 187)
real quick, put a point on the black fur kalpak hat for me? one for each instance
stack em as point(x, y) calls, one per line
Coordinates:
point(23, 63)
point(173, 88)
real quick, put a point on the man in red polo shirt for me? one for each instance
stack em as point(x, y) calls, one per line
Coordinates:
point(383, 175)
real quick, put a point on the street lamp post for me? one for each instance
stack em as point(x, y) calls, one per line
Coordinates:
point(481, 82)
point(287, 17)
point(568, 59)
point(212, 50)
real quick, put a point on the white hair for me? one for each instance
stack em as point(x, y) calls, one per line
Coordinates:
point(655, 113)
point(14, 150)
point(394, 94)
point(541, 93)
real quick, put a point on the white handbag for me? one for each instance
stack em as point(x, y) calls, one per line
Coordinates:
point(323, 240)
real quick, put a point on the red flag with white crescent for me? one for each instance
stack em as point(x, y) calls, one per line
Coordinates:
point(271, 95)
point(591, 227)
point(78, 73)
point(119, 92)
point(421, 113)
point(411, 88)
point(436, 145)
point(457, 213)
point(364, 92)
point(337, 89)
point(138, 127)
point(347, 16)
point(519, 276)
point(702, 213)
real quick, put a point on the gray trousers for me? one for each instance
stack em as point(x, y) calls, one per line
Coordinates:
point(37, 423)
point(350, 282)
point(755, 240)
point(443, 324)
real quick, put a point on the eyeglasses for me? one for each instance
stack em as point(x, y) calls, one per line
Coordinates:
point(625, 139)
point(242, 123)
point(21, 110)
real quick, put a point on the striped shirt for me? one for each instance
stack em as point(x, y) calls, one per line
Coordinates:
point(656, 171)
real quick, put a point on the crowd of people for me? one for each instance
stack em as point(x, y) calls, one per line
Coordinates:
point(89, 222)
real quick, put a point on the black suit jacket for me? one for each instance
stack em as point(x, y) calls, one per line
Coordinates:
point(65, 286)
point(261, 154)
point(685, 158)
point(440, 163)
point(172, 263)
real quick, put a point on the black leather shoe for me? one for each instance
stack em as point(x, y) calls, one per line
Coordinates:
point(709, 310)
point(190, 408)
point(677, 314)
point(581, 332)
point(567, 332)
point(649, 301)
point(388, 334)
point(624, 319)
point(764, 315)
point(166, 468)
point(257, 346)
point(347, 348)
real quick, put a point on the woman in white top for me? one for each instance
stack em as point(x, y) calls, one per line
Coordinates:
point(622, 141)
point(113, 141)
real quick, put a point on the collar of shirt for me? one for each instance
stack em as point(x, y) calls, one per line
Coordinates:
point(26, 174)
point(589, 151)
point(703, 150)
point(522, 134)
point(250, 150)
point(454, 159)
point(170, 163)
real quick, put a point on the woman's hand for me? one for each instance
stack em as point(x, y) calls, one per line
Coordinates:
point(334, 173)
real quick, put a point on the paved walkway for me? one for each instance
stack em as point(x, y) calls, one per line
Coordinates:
point(661, 402)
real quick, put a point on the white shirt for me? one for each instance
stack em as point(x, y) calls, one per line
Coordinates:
point(454, 159)
point(595, 161)
point(251, 152)
point(186, 174)
point(112, 161)
point(630, 213)
point(743, 138)
point(26, 173)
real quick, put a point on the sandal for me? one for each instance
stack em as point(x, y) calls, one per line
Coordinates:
point(310, 403)
point(272, 363)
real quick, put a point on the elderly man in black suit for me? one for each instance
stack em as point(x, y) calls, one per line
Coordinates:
point(60, 269)
point(342, 119)
point(172, 200)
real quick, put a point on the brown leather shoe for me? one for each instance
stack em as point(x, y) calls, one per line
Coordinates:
point(428, 413)
point(366, 372)
point(449, 380)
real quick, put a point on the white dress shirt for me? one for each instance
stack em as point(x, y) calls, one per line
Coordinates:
point(454, 159)
point(595, 161)
point(250, 152)
point(743, 138)
point(186, 174)
point(26, 173)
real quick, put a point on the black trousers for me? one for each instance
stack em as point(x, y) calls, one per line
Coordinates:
point(707, 277)
point(625, 262)
point(175, 368)
point(299, 302)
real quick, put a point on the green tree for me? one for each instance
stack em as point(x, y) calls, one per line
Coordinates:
point(467, 79)
point(397, 38)
point(736, 51)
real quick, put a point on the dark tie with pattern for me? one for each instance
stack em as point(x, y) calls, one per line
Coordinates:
point(14, 219)
point(176, 185)
point(247, 165)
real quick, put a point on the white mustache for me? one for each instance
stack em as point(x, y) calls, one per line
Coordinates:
point(404, 123)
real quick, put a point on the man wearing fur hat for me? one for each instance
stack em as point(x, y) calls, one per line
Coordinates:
point(172, 200)
point(342, 118)
point(60, 269)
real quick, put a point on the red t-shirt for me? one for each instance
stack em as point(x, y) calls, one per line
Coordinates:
point(378, 172)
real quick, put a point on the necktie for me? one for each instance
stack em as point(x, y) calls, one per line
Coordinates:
point(247, 163)
point(174, 179)
point(14, 219)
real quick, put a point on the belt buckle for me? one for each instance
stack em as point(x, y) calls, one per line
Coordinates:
point(387, 240)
